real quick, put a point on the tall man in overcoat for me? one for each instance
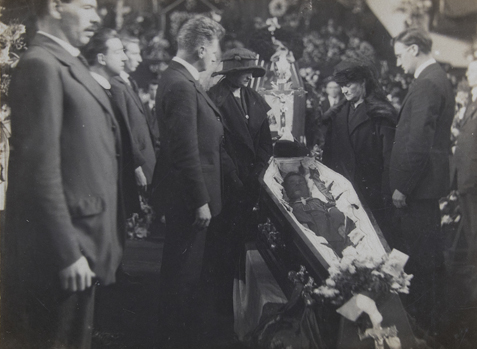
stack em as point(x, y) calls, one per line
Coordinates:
point(465, 160)
point(63, 218)
point(419, 171)
point(188, 181)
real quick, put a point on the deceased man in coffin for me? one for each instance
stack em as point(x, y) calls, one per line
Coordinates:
point(324, 206)
point(323, 218)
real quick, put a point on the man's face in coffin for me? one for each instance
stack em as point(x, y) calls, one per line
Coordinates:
point(296, 187)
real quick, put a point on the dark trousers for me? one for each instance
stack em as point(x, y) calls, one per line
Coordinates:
point(468, 205)
point(418, 234)
point(50, 318)
point(180, 280)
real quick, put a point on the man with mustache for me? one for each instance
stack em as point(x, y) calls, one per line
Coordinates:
point(64, 225)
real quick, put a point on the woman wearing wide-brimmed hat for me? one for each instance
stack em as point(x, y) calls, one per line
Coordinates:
point(360, 136)
point(249, 144)
point(244, 111)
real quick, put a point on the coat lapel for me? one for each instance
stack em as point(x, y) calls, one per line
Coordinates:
point(180, 68)
point(77, 70)
point(359, 117)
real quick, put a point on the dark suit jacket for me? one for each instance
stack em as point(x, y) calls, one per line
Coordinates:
point(129, 102)
point(420, 157)
point(62, 199)
point(191, 130)
point(465, 157)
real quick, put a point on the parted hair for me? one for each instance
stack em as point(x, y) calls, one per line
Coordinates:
point(97, 44)
point(198, 31)
point(415, 36)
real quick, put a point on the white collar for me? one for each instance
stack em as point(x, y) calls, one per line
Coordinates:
point(74, 51)
point(125, 76)
point(192, 70)
point(101, 80)
point(474, 93)
point(423, 66)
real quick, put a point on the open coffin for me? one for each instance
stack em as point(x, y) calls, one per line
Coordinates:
point(286, 244)
point(317, 252)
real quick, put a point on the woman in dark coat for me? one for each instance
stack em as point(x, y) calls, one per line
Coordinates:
point(247, 133)
point(361, 135)
point(249, 145)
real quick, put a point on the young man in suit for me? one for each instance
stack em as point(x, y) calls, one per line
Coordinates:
point(188, 182)
point(106, 58)
point(419, 171)
point(138, 122)
point(465, 161)
point(63, 216)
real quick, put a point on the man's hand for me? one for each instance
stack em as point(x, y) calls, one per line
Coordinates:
point(140, 178)
point(202, 217)
point(76, 277)
point(399, 199)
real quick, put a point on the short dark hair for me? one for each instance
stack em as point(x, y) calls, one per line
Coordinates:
point(40, 7)
point(97, 44)
point(198, 31)
point(153, 82)
point(415, 36)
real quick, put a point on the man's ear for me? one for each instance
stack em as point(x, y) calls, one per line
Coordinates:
point(54, 8)
point(415, 50)
point(201, 52)
point(100, 58)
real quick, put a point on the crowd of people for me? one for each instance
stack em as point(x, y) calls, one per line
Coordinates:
point(85, 146)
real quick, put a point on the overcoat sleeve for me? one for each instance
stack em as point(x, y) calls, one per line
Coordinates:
point(37, 120)
point(180, 110)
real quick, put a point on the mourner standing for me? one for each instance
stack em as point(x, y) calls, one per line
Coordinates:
point(138, 122)
point(249, 144)
point(419, 171)
point(64, 228)
point(188, 182)
point(465, 160)
point(360, 137)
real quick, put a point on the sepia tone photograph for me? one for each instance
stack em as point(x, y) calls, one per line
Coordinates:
point(238, 174)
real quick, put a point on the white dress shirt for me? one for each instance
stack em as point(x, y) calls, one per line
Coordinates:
point(423, 66)
point(192, 70)
point(101, 80)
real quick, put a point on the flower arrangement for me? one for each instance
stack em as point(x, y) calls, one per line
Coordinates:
point(11, 45)
point(450, 209)
point(138, 225)
point(369, 275)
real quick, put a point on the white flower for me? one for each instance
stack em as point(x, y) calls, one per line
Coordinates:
point(446, 219)
point(330, 283)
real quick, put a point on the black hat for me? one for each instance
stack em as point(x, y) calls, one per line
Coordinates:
point(240, 60)
point(353, 70)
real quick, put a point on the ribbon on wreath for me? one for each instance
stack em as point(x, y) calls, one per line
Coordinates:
point(360, 303)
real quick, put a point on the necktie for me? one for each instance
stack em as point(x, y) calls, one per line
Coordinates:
point(133, 85)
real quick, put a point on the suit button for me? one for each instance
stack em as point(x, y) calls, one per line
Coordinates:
point(113, 127)
point(118, 155)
